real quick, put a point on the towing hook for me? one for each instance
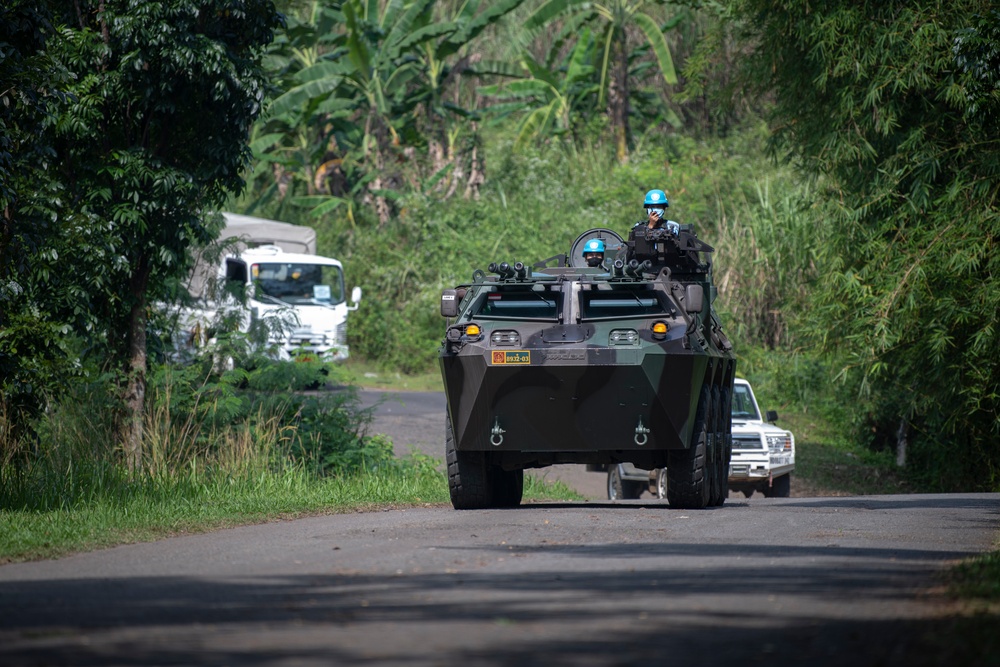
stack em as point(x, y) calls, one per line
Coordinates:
point(496, 434)
point(641, 434)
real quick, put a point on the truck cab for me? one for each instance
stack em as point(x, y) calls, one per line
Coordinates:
point(308, 289)
point(300, 294)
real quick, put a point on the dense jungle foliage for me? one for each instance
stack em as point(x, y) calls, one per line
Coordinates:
point(843, 161)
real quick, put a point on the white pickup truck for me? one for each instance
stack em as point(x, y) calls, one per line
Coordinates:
point(763, 456)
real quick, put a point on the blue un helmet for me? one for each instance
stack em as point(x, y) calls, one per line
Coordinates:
point(593, 245)
point(593, 252)
point(656, 206)
point(656, 199)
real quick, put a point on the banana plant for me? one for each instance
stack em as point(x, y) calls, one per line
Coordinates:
point(358, 93)
point(553, 96)
point(615, 17)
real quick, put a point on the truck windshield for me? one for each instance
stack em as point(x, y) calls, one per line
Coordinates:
point(296, 284)
point(743, 407)
point(539, 302)
point(621, 303)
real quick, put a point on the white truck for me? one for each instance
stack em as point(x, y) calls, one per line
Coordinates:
point(285, 279)
point(763, 456)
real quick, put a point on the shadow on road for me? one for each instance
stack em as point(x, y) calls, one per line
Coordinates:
point(657, 617)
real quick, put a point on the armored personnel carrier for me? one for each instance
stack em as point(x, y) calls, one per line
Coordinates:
point(559, 362)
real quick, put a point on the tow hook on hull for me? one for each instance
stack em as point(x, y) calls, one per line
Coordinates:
point(496, 433)
point(641, 434)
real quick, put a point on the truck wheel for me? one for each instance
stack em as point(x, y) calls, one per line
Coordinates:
point(468, 481)
point(508, 487)
point(688, 484)
point(781, 487)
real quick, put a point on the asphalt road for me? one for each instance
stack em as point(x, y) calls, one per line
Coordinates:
point(818, 582)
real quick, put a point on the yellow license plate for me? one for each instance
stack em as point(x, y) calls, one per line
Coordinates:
point(511, 357)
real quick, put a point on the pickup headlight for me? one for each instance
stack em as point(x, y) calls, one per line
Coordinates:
point(779, 443)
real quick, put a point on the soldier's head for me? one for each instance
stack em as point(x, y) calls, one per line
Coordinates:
point(593, 252)
point(656, 205)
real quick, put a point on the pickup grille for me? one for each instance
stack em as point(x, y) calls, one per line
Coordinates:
point(747, 442)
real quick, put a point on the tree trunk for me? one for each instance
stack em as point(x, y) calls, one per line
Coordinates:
point(476, 174)
point(618, 95)
point(377, 144)
point(135, 388)
point(902, 438)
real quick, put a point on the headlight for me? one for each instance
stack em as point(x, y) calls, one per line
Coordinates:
point(779, 443)
point(506, 338)
point(624, 337)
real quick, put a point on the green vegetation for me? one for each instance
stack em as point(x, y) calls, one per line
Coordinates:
point(978, 579)
point(895, 108)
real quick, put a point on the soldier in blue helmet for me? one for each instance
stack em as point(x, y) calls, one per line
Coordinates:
point(593, 252)
point(656, 205)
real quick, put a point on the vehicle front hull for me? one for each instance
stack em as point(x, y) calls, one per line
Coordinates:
point(578, 404)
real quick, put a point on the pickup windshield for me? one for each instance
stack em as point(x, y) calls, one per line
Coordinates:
point(539, 302)
point(298, 284)
point(743, 406)
point(622, 303)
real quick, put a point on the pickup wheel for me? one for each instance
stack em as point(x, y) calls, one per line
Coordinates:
point(508, 486)
point(688, 485)
point(469, 483)
point(661, 483)
point(621, 489)
point(781, 487)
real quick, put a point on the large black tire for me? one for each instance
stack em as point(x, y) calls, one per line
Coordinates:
point(723, 446)
point(468, 480)
point(714, 450)
point(508, 486)
point(781, 487)
point(688, 484)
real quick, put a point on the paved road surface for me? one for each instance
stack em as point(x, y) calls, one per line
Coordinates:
point(821, 582)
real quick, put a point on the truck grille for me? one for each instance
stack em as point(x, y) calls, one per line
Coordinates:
point(747, 442)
